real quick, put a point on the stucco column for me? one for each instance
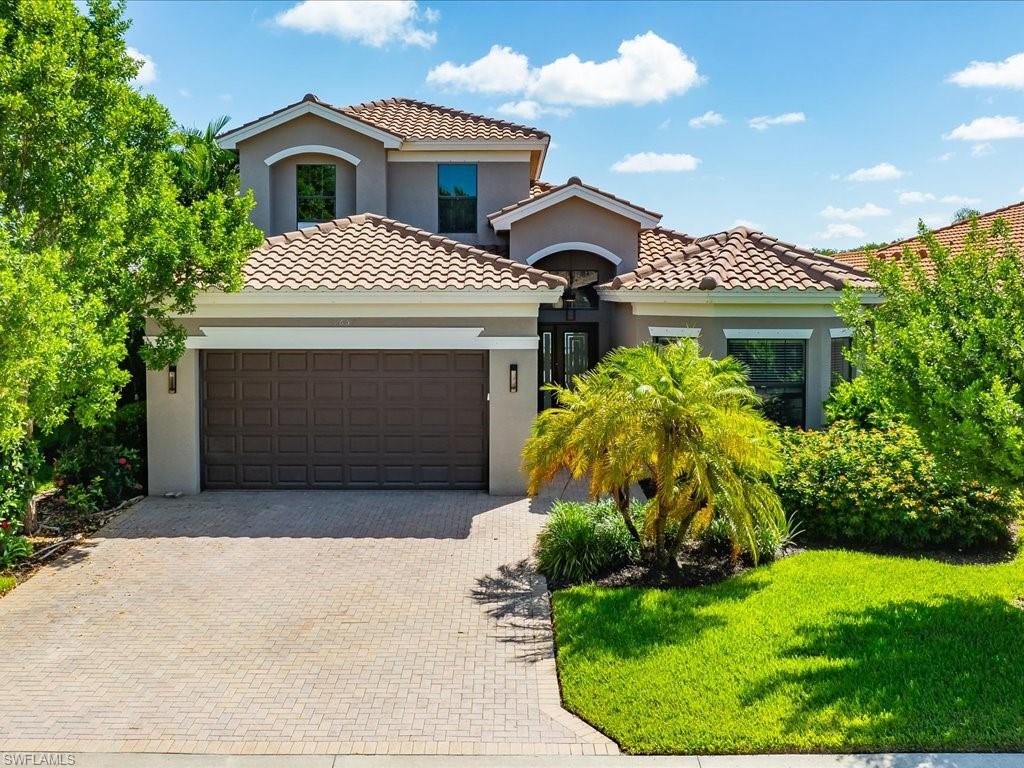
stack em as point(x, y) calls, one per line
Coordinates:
point(173, 428)
point(511, 414)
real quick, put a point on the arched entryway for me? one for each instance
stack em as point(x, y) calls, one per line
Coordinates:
point(574, 332)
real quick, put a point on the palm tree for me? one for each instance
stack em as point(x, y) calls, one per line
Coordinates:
point(201, 166)
point(686, 423)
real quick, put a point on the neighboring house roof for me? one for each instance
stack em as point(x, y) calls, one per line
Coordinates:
point(659, 243)
point(541, 198)
point(740, 259)
point(369, 252)
point(952, 236)
point(404, 119)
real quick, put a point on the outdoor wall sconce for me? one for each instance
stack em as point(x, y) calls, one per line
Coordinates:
point(172, 379)
point(513, 377)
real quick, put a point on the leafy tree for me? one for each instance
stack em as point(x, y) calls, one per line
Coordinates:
point(946, 349)
point(687, 423)
point(965, 213)
point(97, 235)
point(201, 166)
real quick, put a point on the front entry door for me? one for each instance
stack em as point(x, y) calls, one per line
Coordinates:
point(566, 350)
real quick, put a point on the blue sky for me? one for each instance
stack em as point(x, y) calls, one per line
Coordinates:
point(875, 113)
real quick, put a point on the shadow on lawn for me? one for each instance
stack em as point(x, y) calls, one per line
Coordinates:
point(911, 676)
point(631, 622)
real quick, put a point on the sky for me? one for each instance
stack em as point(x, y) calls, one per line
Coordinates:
point(825, 125)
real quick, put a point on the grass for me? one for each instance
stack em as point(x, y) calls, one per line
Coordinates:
point(7, 583)
point(823, 651)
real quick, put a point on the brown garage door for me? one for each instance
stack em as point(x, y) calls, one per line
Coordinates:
point(344, 419)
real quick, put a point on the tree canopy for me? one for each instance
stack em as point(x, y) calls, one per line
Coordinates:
point(946, 349)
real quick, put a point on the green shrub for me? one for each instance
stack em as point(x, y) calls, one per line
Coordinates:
point(768, 543)
point(109, 471)
point(881, 487)
point(18, 465)
point(582, 540)
point(86, 498)
point(13, 546)
point(857, 401)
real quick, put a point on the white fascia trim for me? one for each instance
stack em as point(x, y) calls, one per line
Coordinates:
point(474, 146)
point(574, 246)
point(840, 333)
point(454, 296)
point(768, 333)
point(661, 330)
point(264, 337)
point(740, 296)
point(458, 156)
point(504, 221)
point(230, 141)
point(312, 149)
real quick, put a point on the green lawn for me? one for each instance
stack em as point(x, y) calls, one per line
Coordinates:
point(7, 583)
point(823, 651)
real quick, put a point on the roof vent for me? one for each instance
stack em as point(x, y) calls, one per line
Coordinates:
point(708, 283)
point(575, 180)
point(310, 97)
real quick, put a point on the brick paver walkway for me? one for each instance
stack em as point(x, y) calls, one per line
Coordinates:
point(286, 622)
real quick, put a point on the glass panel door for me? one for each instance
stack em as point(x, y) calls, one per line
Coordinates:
point(576, 345)
point(547, 367)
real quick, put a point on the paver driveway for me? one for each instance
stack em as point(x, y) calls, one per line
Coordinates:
point(279, 622)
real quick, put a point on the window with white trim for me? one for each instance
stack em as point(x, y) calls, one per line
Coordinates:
point(841, 368)
point(315, 194)
point(777, 370)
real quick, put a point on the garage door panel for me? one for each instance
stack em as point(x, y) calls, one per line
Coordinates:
point(345, 419)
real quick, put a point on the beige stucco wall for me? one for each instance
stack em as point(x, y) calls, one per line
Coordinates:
point(370, 174)
point(174, 419)
point(630, 329)
point(172, 440)
point(283, 202)
point(576, 220)
point(412, 195)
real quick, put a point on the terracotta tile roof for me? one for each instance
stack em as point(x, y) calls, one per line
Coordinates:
point(420, 121)
point(659, 243)
point(371, 252)
point(952, 236)
point(741, 259)
point(538, 192)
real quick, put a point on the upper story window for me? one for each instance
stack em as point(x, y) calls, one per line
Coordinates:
point(315, 194)
point(456, 198)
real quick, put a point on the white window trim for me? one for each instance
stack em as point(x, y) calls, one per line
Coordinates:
point(574, 246)
point(659, 330)
point(326, 337)
point(768, 333)
point(230, 141)
point(840, 333)
point(504, 221)
point(312, 149)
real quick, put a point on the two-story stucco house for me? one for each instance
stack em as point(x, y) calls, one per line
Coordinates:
point(419, 283)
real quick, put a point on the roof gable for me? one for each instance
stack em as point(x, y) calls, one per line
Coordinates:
point(370, 252)
point(738, 259)
point(541, 199)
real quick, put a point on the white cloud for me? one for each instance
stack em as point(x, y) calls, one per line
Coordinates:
point(866, 211)
point(708, 118)
point(1008, 73)
point(371, 22)
point(501, 70)
point(945, 157)
point(530, 110)
point(961, 200)
point(981, 150)
point(665, 124)
point(745, 223)
point(147, 67)
point(647, 69)
point(764, 122)
point(988, 129)
point(653, 162)
point(880, 172)
point(909, 198)
point(431, 15)
point(841, 232)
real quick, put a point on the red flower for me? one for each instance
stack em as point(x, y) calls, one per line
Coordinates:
point(122, 461)
point(5, 524)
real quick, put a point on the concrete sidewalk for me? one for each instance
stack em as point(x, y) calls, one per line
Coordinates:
point(150, 760)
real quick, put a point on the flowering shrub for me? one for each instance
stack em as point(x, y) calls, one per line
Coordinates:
point(94, 473)
point(880, 486)
point(13, 546)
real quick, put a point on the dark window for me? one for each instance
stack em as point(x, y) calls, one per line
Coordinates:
point(778, 371)
point(456, 198)
point(581, 293)
point(841, 368)
point(315, 193)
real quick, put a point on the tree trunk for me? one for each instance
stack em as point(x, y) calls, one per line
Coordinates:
point(622, 501)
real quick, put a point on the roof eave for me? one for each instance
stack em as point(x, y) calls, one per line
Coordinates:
point(230, 139)
point(729, 296)
point(503, 220)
